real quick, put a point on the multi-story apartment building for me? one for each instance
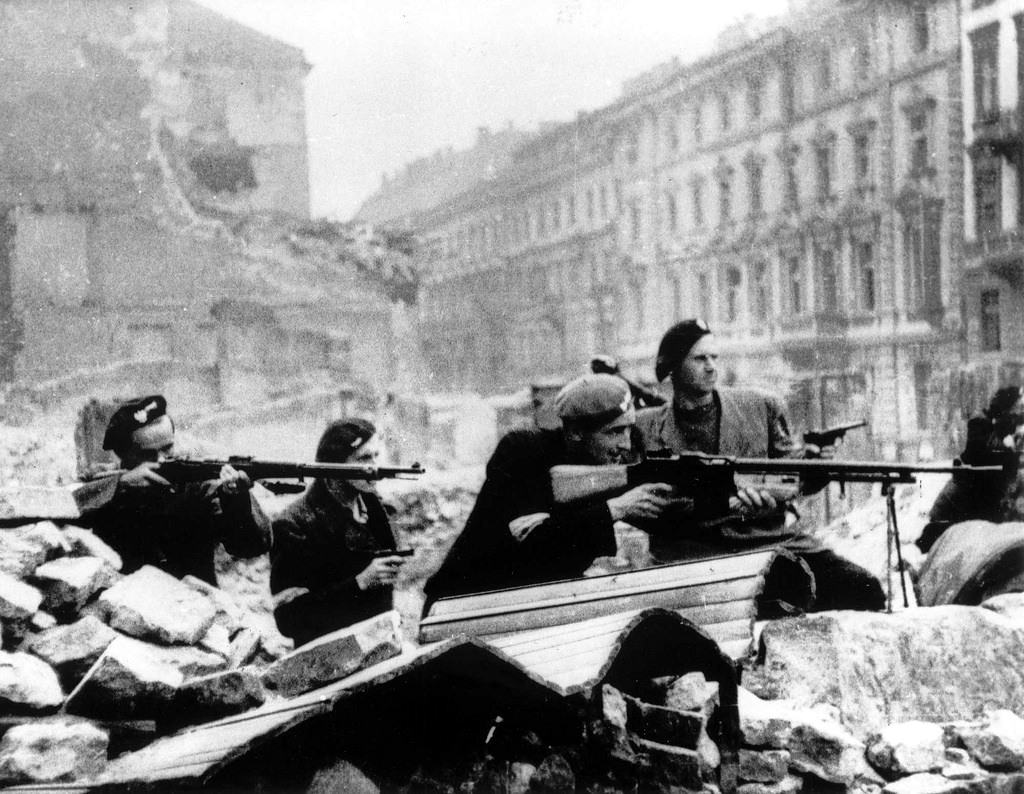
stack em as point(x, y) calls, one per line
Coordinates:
point(993, 86)
point(799, 188)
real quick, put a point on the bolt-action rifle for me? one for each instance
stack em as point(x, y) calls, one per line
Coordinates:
point(183, 470)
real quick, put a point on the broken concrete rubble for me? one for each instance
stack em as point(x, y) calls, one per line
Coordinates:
point(152, 604)
point(28, 683)
point(51, 750)
point(68, 583)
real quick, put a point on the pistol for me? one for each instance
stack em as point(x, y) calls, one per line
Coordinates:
point(830, 435)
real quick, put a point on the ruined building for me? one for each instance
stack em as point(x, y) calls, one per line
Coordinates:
point(154, 194)
point(799, 188)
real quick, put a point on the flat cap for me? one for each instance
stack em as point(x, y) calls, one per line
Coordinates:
point(129, 417)
point(676, 343)
point(593, 400)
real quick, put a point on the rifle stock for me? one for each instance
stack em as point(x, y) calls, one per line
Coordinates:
point(573, 483)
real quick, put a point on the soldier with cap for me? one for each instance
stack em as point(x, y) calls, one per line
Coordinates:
point(516, 534)
point(704, 417)
point(151, 521)
point(329, 566)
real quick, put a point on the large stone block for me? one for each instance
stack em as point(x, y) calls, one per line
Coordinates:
point(69, 582)
point(930, 783)
point(151, 604)
point(765, 723)
point(29, 683)
point(218, 695)
point(763, 766)
point(907, 748)
point(20, 555)
point(788, 785)
point(945, 663)
point(129, 680)
point(664, 725)
point(229, 614)
point(664, 765)
point(52, 750)
point(18, 601)
point(86, 543)
point(72, 649)
point(336, 655)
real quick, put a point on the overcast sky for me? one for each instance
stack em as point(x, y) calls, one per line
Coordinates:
point(393, 80)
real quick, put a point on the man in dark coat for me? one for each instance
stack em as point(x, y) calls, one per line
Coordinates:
point(516, 534)
point(703, 417)
point(327, 567)
point(173, 526)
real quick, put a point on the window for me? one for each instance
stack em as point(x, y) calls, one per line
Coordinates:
point(922, 377)
point(760, 294)
point(828, 279)
point(671, 212)
point(724, 199)
point(921, 28)
point(795, 277)
point(733, 288)
point(862, 175)
point(632, 147)
point(698, 204)
point(634, 220)
point(922, 234)
point(556, 214)
point(571, 211)
point(862, 56)
point(724, 113)
point(754, 105)
point(755, 172)
point(791, 181)
point(823, 164)
point(589, 205)
point(603, 201)
point(672, 132)
point(920, 154)
point(542, 222)
point(991, 340)
point(867, 299)
point(824, 71)
point(985, 51)
point(987, 195)
point(704, 296)
point(698, 125)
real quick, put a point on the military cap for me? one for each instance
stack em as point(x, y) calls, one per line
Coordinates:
point(593, 400)
point(129, 417)
point(342, 438)
point(676, 343)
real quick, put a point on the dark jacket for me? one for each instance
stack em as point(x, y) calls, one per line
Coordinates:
point(562, 543)
point(320, 547)
point(752, 424)
point(177, 530)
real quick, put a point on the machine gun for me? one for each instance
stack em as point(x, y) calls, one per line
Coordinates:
point(202, 469)
point(830, 435)
point(710, 480)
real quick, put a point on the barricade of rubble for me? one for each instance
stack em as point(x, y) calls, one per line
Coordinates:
point(94, 662)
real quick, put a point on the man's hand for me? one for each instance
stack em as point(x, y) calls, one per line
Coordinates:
point(814, 452)
point(752, 501)
point(647, 501)
point(232, 481)
point(381, 572)
point(144, 476)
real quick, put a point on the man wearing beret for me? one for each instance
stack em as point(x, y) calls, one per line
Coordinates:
point(174, 526)
point(324, 572)
point(704, 417)
point(516, 534)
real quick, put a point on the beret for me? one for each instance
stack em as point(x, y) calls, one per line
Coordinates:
point(676, 343)
point(129, 417)
point(593, 400)
point(342, 438)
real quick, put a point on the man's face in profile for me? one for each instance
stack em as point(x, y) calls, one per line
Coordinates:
point(697, 373)
point(612, 442)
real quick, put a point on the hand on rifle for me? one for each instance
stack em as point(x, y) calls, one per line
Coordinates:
point(381, 572)
point(232, 481)
point(144, 476)
point(825, 452)
point(647, 501)
point(752, 501)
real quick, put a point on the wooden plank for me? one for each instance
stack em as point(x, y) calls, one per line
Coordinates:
point(699, 600)
point(742, 629)
point(523, 641)
point(659, 577)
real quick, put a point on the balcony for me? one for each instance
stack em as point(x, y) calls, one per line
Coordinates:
point(998, 133)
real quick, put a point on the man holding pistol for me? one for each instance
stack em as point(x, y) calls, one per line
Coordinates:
point(703, 417)
point(149, 520)
point(516, 533)
point(334, 561)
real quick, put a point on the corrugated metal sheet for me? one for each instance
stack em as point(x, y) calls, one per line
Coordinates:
point(716, 593)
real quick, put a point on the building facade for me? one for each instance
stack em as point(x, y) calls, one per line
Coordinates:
point(799, 188)
point(993, 81)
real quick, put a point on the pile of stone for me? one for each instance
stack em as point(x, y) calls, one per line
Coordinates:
point(94, 662)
